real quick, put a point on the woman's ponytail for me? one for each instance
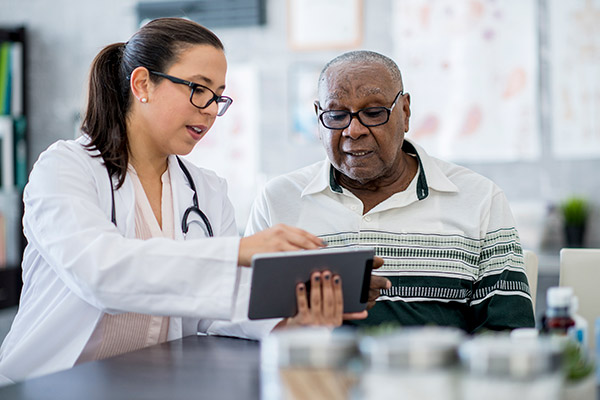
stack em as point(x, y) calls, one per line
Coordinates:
point(104, 120)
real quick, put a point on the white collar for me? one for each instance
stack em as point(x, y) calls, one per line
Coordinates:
point(431, 177)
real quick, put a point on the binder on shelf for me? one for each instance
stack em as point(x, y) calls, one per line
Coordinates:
point(7, 173)
point(12, 227)
point(16, 79)
point(11, 78)
point(20, 152)
point(4, 76)
point(2, 242)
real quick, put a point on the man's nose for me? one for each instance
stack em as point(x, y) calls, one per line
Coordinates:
point(356, 129)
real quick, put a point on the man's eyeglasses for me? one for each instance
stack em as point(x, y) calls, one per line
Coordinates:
point(370, 116)
point(200, 96)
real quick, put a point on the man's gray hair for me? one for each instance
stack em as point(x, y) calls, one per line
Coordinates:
point(364, 57)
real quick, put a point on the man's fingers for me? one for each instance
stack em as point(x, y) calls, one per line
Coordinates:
point(379, 282)
point(377, 262)
point(373, 294)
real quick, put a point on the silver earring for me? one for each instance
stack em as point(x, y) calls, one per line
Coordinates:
point(144, 100)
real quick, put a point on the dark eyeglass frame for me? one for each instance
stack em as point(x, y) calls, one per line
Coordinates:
point(225, 100)
point(357, 113)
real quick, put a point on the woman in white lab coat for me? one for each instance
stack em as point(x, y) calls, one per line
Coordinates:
point(118, 226)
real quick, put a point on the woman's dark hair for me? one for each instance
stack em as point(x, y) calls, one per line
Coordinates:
point(156, 46)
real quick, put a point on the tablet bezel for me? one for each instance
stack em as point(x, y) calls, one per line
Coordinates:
point(275, 276)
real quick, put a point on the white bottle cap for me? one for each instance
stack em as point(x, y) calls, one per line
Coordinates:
point(524, 334)
point(559, 296)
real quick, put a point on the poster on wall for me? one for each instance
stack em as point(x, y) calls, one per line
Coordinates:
point(574, 61)
point(230, 148)
point(303, 91)
point(324, 24)
point(471, 70)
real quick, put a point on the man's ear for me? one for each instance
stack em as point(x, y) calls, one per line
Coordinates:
point(317, 106)
point(406, 110)
point(139, 83)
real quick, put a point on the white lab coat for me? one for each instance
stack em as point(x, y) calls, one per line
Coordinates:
point(78, 265)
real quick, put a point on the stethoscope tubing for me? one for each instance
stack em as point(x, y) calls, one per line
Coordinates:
point(194, 208)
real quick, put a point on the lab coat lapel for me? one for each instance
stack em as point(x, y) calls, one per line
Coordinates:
point(125, 207)
point(182, 199)
point(124, 196)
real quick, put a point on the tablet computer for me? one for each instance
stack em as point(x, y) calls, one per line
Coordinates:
point(275, 276)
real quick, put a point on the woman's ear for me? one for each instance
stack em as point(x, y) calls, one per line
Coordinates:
point(139, 83)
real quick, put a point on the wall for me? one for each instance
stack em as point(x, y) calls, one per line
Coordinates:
point(65, 35)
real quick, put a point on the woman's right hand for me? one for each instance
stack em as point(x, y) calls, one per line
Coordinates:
point(277, 238)
point(326, 303)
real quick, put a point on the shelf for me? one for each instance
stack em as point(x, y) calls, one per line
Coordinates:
point(10, 286)
point(13, 158)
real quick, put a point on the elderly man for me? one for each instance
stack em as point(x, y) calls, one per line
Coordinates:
point(447, 235)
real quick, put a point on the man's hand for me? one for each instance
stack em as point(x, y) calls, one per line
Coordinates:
point(377, 283)
point(277, 238)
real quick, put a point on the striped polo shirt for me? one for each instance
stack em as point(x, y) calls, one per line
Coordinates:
point(449, 242)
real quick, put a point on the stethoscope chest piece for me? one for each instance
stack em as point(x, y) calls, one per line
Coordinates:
point(194, 208)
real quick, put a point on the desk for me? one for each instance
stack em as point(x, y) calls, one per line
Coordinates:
point(189, 368)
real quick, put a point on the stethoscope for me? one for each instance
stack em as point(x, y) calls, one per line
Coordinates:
point(185, 225)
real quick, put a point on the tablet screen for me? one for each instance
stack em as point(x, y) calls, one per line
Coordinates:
point(275, 276)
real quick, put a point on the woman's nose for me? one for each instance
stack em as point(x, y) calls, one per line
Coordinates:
point(212, 109)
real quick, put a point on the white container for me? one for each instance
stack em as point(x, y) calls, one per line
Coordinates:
point(597, 335)
point(496, 367)
point(307, 363)
point(579, 332)
point(411, 363)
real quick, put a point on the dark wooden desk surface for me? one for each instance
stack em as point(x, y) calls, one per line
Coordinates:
point(188, 368)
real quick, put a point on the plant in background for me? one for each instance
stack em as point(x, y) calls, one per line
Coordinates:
point(575, 211)
point(578, 368)
point(577, 364)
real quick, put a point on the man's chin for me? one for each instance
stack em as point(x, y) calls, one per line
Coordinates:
point(358, 176)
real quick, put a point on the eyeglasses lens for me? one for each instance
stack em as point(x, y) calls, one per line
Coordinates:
point(202, 98)
point(371, 116)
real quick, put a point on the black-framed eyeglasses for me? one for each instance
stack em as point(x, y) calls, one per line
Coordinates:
point(370, 116)
point(200, 96)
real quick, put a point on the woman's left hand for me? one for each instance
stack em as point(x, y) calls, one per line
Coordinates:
point(326, 303)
